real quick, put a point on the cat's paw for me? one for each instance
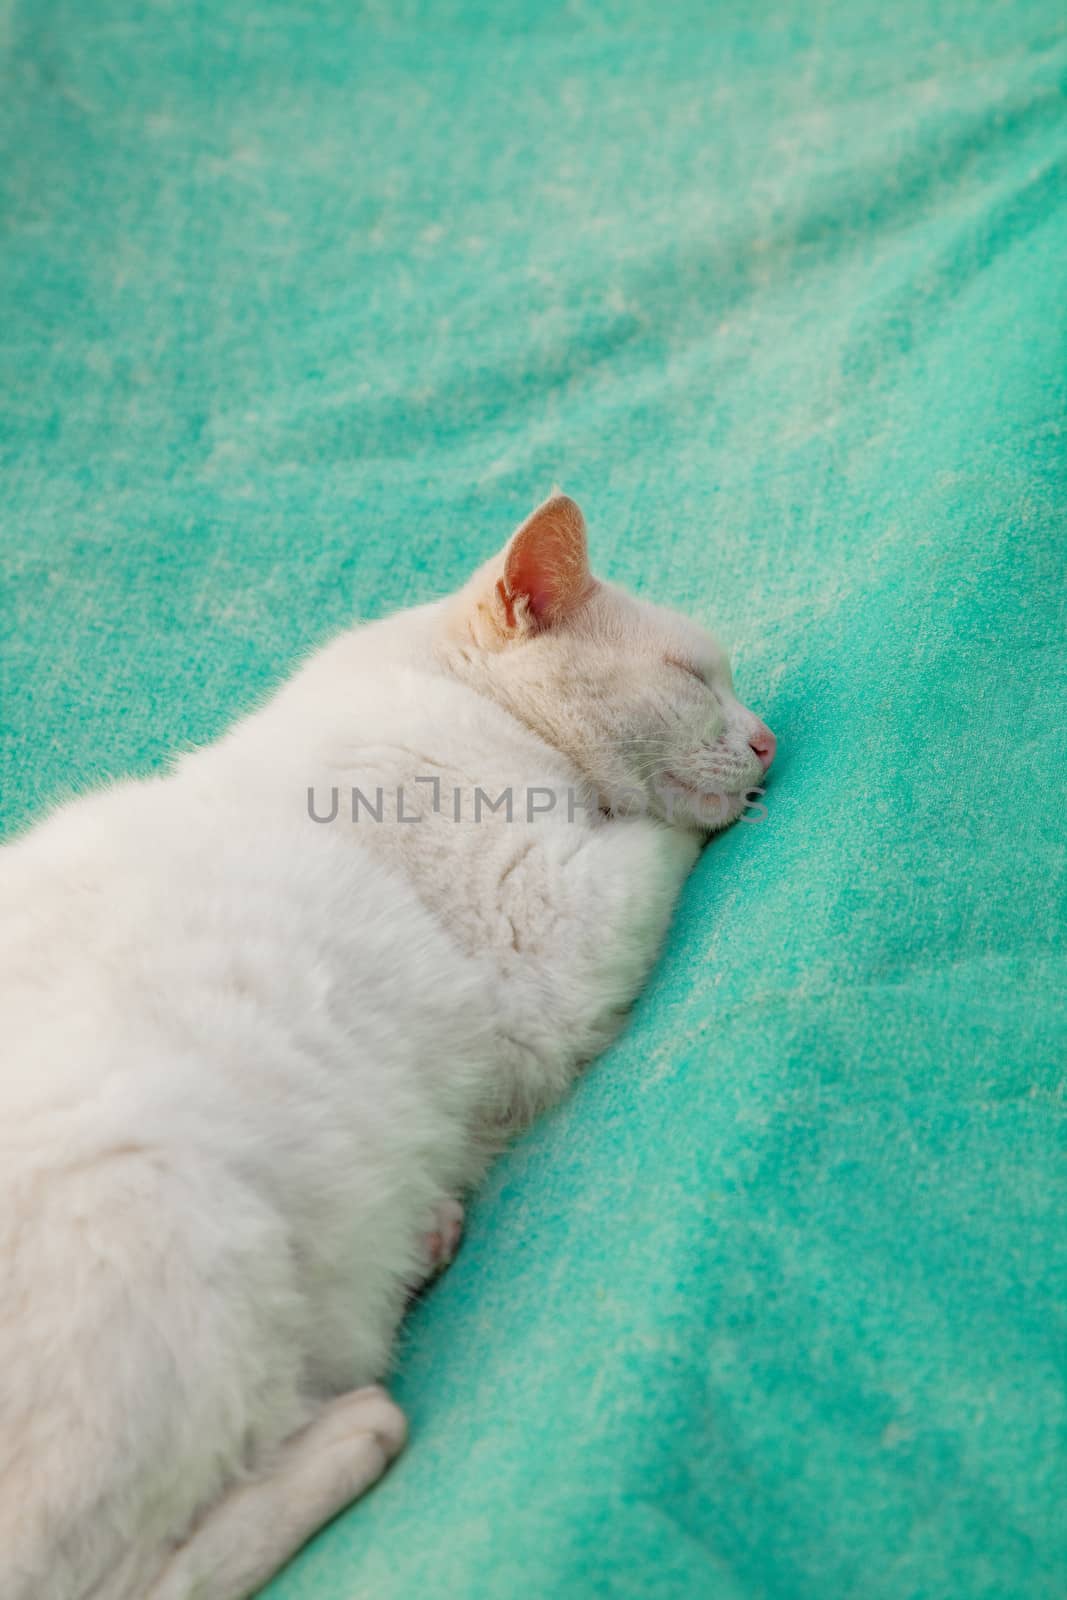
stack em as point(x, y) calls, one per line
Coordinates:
point(442, 1242)
point(370, 1410)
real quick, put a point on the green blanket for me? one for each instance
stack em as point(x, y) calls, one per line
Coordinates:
point(302, 307)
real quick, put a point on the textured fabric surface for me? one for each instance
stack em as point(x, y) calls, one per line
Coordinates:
point(301, 309)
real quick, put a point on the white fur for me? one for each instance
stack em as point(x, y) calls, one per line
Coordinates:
point(249, 1060)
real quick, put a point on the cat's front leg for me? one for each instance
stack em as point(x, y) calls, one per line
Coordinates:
point(618, 894)
point(586, 914)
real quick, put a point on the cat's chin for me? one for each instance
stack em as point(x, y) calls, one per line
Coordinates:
point(708, 810)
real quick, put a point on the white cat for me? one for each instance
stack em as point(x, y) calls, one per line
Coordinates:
point(252, 1060)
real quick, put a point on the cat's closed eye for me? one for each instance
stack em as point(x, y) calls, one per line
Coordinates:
point(687, 667)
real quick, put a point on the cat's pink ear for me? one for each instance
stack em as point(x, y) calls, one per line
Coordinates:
point(546, 567)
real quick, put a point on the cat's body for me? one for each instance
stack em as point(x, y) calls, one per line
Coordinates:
point(251, 1059)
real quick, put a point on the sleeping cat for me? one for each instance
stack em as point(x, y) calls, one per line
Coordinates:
point(252, 1060)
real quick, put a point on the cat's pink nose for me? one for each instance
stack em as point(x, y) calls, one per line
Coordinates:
point(764, 744)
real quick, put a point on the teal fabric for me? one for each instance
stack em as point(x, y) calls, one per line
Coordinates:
point(301, 309)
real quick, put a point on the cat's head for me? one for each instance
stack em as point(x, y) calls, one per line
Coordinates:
point(640, 698)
